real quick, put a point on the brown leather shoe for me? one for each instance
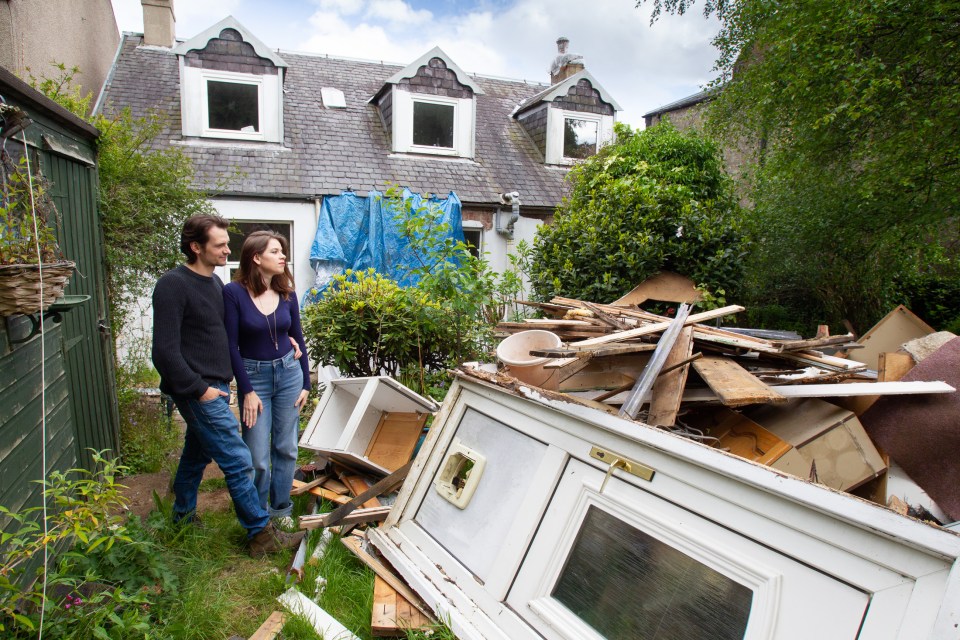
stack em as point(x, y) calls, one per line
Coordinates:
point(270, 539)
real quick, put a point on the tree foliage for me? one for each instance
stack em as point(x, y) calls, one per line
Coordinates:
point(854, 107)
point(145, 194)
point(654, 200)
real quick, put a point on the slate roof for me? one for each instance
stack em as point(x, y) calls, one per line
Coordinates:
point(326, 150)
point(689, 101)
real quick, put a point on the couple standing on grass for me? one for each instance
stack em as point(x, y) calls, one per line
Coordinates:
point(204, 334)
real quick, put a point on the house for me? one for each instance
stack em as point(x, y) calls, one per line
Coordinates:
point(684, 113)
point(274, 133)
point(80, 33)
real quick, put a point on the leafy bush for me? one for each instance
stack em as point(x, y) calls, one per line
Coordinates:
point(78, 599)
point(654, 200)
point(366, 324)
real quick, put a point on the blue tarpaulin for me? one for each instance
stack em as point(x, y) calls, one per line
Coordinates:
point(360, 233)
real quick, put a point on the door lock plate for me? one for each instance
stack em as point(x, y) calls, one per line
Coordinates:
point(615, 460)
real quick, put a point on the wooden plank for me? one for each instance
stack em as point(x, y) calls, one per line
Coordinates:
point(814, 343)
point(734, 385)
point(358, 516)
point(577, 365)
point(305, 487)
point(356, 547)
point(390, 482)
point(357, 486)
point(271, 627)
point(606, 318)
point(392, 614)
point(638, 395)
point(656, 327)
point(668, 388)
point(395, 438)
point(598, 352)
point(326, 494)
point(333, 484)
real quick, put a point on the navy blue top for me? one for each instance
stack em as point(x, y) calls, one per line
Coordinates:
point(250, 333)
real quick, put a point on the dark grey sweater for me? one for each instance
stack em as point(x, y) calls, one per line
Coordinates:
point(189, 340)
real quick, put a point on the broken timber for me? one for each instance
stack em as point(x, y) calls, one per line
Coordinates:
point(733, 384)
point(657, 361)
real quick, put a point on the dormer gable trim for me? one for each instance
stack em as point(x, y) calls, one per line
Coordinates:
point(562, 88)
point(411, 69)
point(201, 41)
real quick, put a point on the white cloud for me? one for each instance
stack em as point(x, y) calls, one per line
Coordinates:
point(642, 66)
point(398, 12)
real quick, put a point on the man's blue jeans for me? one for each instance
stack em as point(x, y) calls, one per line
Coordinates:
point(273, 439)
point(213, 433)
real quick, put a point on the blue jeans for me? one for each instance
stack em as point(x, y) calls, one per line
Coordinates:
point(273, 438)
point(212, 433)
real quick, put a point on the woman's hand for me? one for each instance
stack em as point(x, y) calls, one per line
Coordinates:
point(301, 400)
point(252, 407)
point(296, 348)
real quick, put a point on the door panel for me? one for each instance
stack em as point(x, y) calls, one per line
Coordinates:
point(627, 564)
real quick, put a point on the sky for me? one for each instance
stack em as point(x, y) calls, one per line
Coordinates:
point(642, 66)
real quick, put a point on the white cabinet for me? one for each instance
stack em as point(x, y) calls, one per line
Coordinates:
point(690, 543)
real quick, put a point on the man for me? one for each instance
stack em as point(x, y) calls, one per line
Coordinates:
point(190, 352)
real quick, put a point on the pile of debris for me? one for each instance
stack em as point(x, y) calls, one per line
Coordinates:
point(771, 397)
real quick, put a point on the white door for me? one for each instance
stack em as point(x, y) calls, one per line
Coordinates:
point(628, 565)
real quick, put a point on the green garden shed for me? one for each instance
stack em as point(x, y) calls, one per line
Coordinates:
point(75, 387)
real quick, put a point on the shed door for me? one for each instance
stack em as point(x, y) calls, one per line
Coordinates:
point(656, 570)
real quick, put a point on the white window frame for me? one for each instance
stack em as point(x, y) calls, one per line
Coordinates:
point(555, 122)
point(464, 124)
point(194, 104)
point(476, 227)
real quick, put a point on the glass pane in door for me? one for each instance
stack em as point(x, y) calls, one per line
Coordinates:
point(627, 585)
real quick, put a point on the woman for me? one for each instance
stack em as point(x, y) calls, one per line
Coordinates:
point(261, 314)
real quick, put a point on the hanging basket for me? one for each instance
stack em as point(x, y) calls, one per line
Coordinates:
point(20, 289)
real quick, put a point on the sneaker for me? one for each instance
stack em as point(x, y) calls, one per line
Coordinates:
point(270, 539)
point(285, 523)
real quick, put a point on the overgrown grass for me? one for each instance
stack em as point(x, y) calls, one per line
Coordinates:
point(147, 434)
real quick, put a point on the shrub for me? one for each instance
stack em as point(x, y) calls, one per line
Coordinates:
point(654, 200)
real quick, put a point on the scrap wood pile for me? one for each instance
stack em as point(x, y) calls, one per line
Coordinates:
point(789, 403)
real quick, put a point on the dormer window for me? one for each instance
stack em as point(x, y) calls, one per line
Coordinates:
point(569, 121)
point(429, 107)
point(231, 86)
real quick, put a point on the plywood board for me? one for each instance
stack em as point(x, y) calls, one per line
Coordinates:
point(734, 385)
point(395, 439)
point(743, 437)
point(664, 286)
point(392, 614)
point(899, 326)
point(357, 485)
point(320, 492)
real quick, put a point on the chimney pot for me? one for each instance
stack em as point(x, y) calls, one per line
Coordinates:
point(565, 64)
point(159, 23)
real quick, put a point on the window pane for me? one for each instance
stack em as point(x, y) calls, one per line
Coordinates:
point(240, 230)
point(579, 138)
point(233, 106)
point(433, 124)
point(627, 585)
point(474, 238)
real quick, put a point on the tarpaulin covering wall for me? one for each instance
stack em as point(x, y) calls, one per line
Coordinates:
point(360, 233)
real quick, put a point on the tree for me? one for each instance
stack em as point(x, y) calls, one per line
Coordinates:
point(856, 105)
point(654, 200)
point(145, 194)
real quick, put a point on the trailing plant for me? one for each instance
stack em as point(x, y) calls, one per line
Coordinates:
point(654, 200)
point(20, 235)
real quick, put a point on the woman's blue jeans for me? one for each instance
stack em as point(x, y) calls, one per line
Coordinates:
point(273, 439)
point(212, 434)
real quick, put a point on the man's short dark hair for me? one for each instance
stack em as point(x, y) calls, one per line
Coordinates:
point(197, 229)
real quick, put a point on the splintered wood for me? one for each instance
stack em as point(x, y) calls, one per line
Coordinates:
point(710, 383)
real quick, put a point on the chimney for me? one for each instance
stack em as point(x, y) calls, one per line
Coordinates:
point(565, 64)
point(159, 23)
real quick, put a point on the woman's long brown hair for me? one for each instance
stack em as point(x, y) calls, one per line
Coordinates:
point(249, 274)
